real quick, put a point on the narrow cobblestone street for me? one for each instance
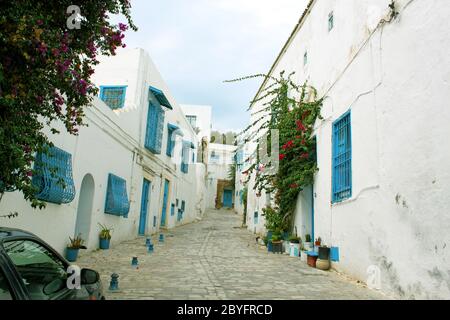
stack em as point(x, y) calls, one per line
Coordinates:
point(215, 259)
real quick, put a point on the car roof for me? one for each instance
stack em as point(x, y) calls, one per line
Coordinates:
point(6, 233)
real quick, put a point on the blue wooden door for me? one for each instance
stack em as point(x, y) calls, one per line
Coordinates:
point(144, 207)
point(164, 208)
point(228, 198)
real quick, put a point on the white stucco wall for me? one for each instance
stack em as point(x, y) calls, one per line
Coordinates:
point(113, 142)
point(395, 82)
point(204, 118)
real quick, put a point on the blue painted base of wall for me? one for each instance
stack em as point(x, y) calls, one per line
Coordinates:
point(334, 254)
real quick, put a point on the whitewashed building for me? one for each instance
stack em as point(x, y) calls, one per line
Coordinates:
point(384, 73)
point(200, 118)
point(219, 192)
point(133, 168)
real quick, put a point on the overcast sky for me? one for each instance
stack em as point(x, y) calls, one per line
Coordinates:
point(197, 44)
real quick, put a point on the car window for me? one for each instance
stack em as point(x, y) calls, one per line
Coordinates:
point(5, 292)
point(42, 272)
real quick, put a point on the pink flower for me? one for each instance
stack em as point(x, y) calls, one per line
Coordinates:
point(304, 155)
point(123, 27)
point(300, 126)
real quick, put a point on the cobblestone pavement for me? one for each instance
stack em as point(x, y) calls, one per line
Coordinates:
point(215, 259)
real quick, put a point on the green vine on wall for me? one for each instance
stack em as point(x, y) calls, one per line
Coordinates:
point(291, 109)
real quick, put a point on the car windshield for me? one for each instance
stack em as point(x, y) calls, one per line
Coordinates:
point(39, 268)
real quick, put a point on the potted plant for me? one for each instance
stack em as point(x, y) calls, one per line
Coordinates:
point(105, 237)
point(74, 246)
point(294, 244)
point(277, 243)
point(317, 244)
point(308, 244)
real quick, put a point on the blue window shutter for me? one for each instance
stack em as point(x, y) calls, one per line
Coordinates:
point(159, 130)
point(116, 196)
point(113, 96)
point(155, 127)
point(170, 145)
point(185, 156)
point(53, 176)
point(342, 159)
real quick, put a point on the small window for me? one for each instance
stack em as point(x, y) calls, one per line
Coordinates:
point(342, 159)
point(255, 217)
point(113, 96)
point(331, 21)
point(305, 58)
point(185, 156)
point(116, 196)
point(192, 120)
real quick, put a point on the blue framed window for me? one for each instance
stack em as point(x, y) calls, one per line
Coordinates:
point(342, 158)
point(160, 97)
point(255, 217)
point(185, 156)
point(172, 209)
point(113, 96)
point(155, 127)
point(305, 58)
point(53, 176)
point(172, 130)
point(116, 196)
point(239, 159)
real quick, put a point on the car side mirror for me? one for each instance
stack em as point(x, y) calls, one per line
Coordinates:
point(89, 276)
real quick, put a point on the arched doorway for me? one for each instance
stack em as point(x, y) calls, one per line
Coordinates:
point(84, 211)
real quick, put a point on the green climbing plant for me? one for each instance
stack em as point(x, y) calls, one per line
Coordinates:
point(291, 109)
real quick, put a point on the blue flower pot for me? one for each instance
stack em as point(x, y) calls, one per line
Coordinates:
point(72, 254)
point(269, 246)
point(104, 243)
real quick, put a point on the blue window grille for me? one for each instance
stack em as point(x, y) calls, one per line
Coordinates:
point(172, 131)
point(342, 159)
point(255, 217)
point(185, 156)
point(239, 159)
point(155, 127)
point(241, 197)
point(160, 97)
point(53, 176)
point(116, 197)
point(113, 96)
point(172, 209)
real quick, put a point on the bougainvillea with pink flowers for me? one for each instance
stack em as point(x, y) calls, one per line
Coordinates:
point(293, 110)
point(45, 76)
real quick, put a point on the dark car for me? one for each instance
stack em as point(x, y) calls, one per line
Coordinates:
point(32, 270)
